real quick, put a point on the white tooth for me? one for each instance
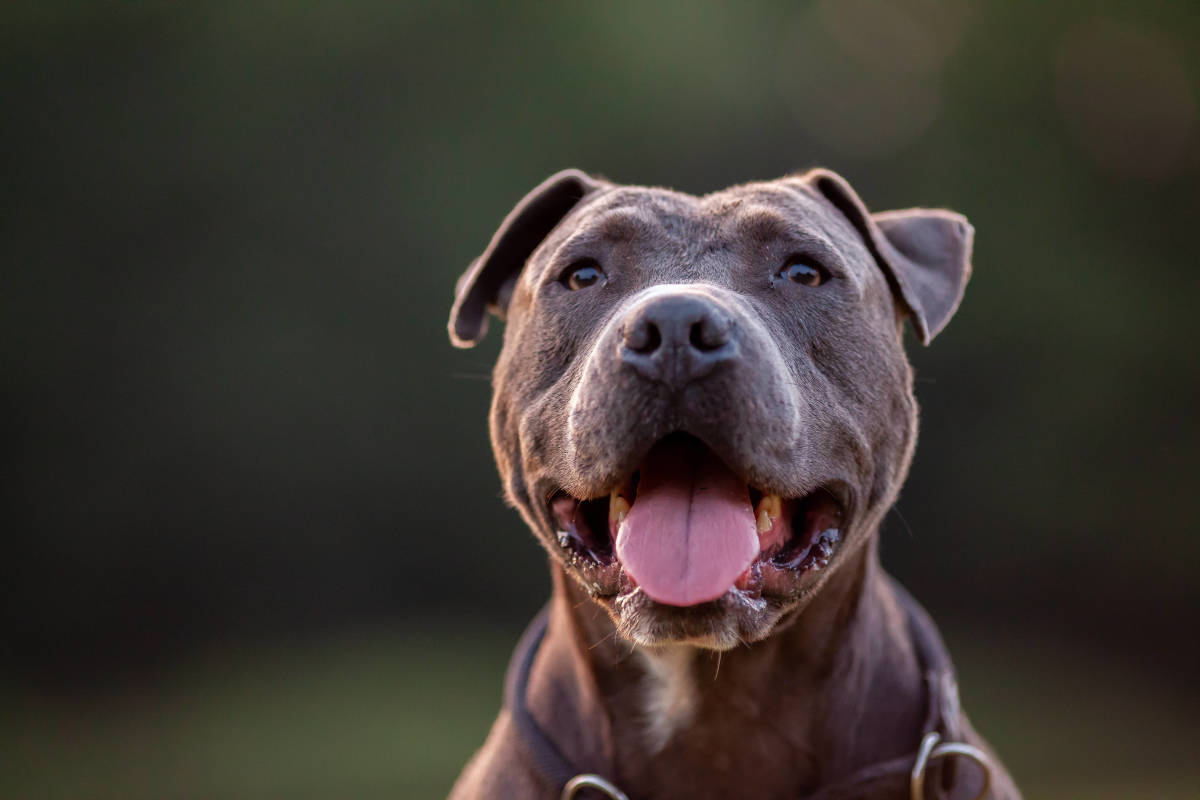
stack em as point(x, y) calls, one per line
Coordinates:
point(618, 508)
point(769, 509)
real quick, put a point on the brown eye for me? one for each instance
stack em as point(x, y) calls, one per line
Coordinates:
point(804, 273)
point(581, 276)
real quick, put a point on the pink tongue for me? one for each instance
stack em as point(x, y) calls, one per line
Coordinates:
point(690, 532)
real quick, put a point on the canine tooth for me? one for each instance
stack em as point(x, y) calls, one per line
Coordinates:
point(769, 509)
point(618, 508)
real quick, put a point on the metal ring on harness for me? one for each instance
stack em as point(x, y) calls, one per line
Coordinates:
point(930, 750)
point(590, 781)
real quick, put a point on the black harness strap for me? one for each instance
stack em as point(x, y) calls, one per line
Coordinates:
point(543, 755)
point(892, 777)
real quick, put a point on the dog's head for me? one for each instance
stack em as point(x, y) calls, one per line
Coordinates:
point(702, 405)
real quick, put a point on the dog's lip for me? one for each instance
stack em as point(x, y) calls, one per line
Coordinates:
point(589, 547)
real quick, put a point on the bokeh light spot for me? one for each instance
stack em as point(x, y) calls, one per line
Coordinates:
point(1126, 99)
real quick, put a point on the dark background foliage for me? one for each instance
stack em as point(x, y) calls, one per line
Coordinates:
point(230, 233)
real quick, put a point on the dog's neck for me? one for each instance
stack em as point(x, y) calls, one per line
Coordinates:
point(837, 687)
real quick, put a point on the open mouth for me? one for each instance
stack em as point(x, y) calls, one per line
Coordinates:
point(685, 529)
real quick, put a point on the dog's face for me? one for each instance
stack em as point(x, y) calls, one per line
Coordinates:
point(703, 406)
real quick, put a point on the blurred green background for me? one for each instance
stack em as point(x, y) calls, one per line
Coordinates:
point(254, 542)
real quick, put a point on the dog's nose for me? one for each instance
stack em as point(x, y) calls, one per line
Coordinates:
point(677, 338)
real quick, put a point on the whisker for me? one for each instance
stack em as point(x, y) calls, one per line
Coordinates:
point(603, 639)
point(903, 521)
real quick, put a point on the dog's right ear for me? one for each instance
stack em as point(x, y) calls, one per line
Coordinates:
point(488, 283)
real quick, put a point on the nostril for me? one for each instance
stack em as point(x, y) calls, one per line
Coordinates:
point(707, 336)
point(644, 338)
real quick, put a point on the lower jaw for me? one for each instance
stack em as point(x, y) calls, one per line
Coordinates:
point(735, 619)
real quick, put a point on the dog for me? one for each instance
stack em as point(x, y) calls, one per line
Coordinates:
point(703, 409)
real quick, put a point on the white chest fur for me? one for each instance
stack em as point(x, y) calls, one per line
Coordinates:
point(670, 694)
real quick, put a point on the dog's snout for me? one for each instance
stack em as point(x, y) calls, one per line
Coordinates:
point(677, 338)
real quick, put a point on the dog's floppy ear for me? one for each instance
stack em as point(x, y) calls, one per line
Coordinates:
point(488, 283)
point(926, 253)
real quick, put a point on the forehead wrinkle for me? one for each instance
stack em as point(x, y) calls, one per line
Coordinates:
point(759, 223)
point(767, 225)
point(621, 225)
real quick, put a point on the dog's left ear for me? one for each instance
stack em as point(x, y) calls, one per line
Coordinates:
point(488, 283)
point(926, 253)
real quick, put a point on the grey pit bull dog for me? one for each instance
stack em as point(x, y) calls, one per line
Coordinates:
point(703, 409)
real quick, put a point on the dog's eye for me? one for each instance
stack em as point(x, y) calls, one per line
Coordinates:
point(582, 275)
point(798, 270)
